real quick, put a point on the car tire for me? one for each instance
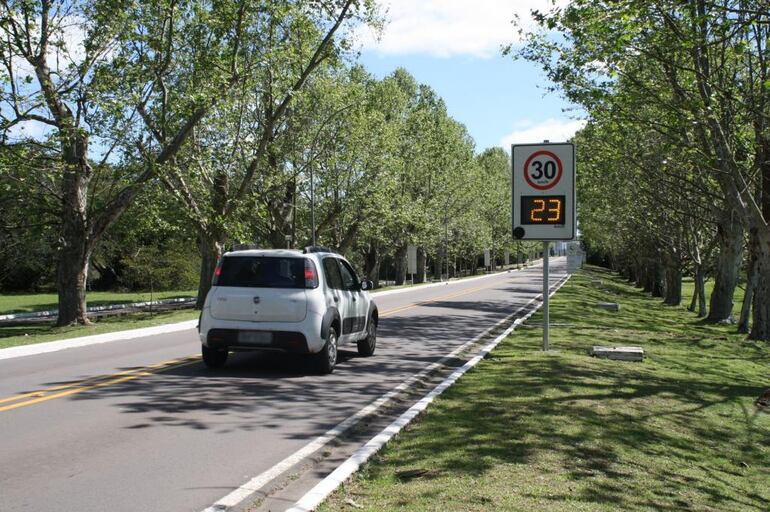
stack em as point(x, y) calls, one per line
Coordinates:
point(213, 358)
point(367, 345)
point(326, 359)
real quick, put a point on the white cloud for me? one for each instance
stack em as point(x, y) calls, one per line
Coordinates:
point(554, 130)
point(445, 28)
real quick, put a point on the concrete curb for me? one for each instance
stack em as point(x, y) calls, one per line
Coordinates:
point(375, 293)
point(328, 485)
point(83, 341)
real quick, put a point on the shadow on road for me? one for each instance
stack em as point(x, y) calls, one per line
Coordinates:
point(256, 391)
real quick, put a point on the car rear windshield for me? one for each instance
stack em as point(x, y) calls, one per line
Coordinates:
point(262, 272)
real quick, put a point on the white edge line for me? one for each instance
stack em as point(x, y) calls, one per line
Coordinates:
point(55, 346)
point(323, 489)
point(375, 293)
point(258, 482)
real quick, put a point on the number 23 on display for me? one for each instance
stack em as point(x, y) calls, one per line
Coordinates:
point(553, 210)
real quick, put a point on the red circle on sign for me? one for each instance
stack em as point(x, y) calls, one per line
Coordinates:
point(558, 172)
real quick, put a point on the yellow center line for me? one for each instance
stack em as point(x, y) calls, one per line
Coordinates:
point(42, 392)
point(71, 388)
point(81, 386)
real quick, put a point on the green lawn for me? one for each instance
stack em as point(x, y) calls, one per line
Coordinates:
point(688, 286)
point(563, 431)
point(25, 303)
point(38, 333)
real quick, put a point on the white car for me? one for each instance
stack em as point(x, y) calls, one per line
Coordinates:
point(305, 302)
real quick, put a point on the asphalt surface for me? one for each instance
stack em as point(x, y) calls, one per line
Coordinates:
point(141, 424)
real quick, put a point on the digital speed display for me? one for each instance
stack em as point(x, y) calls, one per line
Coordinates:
point(542, 209)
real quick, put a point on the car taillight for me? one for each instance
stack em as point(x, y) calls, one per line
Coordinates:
point(217, 272)
point(311, 276)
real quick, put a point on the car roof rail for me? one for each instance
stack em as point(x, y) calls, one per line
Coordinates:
point(317, 248)
point(245, 247)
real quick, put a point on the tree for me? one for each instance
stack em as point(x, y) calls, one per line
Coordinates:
point(89, 72)
point(703, 65)
point(213, 180)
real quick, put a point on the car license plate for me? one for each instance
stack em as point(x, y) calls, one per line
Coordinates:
point(255, 337)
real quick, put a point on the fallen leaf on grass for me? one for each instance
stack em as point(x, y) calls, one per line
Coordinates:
point(353, 503)
point(411, 474)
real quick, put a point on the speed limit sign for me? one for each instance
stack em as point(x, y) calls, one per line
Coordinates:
point(543, 191)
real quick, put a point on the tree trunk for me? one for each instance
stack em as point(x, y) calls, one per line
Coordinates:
point(372, 263)
point(748, 294)
point(75, 245)
point(673, 295)
point(649, 277)
point(72, 276)
point(211, 250)
point(700, 290)
point(399, 261)
point(438, 263)
point(419, 277)
point(760, 327)
point(657, 280)
point(641, 276)
point(728, 264)
point(694, 299)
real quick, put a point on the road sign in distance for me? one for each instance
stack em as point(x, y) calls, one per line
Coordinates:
point(543, 191)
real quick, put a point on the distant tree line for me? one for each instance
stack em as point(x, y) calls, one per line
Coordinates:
point(674, 171)
point(139, 141)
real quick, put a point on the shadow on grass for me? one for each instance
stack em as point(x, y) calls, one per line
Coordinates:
point(675, 432)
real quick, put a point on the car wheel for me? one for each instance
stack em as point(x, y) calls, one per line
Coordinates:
point(213, 358)
point(367, 345)
point(326, 359)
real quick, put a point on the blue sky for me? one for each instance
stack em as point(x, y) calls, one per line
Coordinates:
point(454, 47)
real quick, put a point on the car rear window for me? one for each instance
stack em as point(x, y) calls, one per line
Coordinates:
point(262, 272)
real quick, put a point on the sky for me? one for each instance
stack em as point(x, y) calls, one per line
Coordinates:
point(454, 47)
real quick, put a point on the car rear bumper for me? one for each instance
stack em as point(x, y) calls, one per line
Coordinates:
point(234, 339)
point(299, 337)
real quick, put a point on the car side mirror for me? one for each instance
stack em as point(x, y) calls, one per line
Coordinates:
point(366, 285)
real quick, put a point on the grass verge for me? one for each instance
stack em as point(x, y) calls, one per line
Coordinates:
point(29, 302)
point(39, 333)
point(562, 431)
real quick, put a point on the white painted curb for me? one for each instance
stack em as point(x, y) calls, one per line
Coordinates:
point(323, 489)
point(259, 481)
point(375, 293)
point(55, 346)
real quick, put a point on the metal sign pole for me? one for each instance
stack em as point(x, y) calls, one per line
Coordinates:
point(545, 296)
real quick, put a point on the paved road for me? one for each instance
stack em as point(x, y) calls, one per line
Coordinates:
point(140, 425)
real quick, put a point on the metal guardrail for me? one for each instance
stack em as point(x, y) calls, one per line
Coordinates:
point(100, 311)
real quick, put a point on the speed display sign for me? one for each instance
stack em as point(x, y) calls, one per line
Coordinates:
point(543, 191)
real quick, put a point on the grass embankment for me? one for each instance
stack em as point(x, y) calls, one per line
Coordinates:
point(39, 333)
point(526, 430)
point(30, 302)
